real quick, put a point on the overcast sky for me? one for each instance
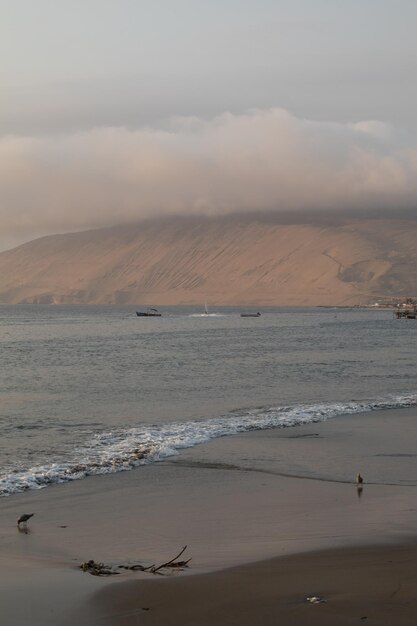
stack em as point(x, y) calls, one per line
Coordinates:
point(111, 110)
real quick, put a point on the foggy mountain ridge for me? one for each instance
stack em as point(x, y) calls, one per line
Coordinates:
point(264, 260)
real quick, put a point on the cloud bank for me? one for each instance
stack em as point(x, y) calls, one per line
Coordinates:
point(263, 160)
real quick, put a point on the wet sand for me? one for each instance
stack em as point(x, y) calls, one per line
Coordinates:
point(371, 586)
point(284, 493)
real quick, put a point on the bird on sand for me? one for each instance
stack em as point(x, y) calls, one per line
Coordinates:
point(359, 479)
point(24, 518)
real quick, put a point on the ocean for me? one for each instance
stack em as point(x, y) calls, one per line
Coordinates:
point(95, 389)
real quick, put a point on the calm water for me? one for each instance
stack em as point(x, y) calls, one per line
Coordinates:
point(96, 389)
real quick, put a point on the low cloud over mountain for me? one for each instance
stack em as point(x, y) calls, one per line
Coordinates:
point(257, 161)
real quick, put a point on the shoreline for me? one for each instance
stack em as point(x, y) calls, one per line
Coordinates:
point(234, 516)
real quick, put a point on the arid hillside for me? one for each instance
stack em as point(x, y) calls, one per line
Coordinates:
point(253, 261)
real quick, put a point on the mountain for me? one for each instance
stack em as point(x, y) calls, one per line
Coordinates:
point(264, 260)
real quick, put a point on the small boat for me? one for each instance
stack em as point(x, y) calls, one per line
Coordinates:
point(250, 314)
point(150, 312)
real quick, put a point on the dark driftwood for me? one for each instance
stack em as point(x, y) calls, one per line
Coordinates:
point(180, 563)
point(100, 569)
point(171, 563)
point(136, 567)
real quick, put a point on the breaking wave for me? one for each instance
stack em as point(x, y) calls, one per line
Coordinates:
point(124, 449)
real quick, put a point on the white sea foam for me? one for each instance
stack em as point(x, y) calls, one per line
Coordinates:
point(123, 449)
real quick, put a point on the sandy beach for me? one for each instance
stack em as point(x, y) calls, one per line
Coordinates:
point(372, 586)
point(282, 520)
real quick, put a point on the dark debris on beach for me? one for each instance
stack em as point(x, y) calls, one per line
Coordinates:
point(101, 569)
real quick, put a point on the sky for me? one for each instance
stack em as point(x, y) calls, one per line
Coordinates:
point(116, 110)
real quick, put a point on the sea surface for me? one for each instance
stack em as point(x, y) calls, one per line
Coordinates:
point(95, 389)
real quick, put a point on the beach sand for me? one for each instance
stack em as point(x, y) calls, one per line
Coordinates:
point(236, 502)
point(372, 586)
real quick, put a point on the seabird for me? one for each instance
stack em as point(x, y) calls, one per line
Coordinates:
point(24, 518)
point(359, 479)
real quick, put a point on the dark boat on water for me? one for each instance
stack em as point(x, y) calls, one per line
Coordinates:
point(149, 313)
point(250, 314)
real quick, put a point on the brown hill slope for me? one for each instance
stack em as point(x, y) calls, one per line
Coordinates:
point(224, 261)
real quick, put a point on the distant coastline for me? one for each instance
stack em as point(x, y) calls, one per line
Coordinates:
point(244, 261)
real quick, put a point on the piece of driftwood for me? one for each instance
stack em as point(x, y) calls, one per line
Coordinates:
point(100, 569)
point(136, 567)
point(179, 564)
point(172, 563)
